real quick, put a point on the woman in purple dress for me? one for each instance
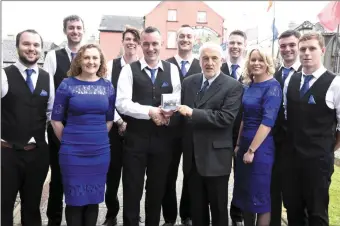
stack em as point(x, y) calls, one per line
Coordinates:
point(84, 103)
point(255, 145)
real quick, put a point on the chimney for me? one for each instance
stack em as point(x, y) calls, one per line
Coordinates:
point(10, 37)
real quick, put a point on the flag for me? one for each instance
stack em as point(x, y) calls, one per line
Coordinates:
point(275, 31)
point(329, 17)
point(270, 3)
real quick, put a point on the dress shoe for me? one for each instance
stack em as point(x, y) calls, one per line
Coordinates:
point(111, 222)
point(168, 224)
point(187, 222)
point(235, 223)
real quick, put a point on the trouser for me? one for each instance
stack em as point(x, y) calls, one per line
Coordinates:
point(82, 215)
point(24, 172)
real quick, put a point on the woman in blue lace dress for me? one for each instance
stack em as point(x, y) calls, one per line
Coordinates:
point(85, 102)
point(255, 146)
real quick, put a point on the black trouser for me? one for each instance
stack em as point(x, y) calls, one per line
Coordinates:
point(236, 214)
point(114, 173)
point(55, 199)
point(24, 172)
point(205, 192)
point(169, 203)
point(81, 215)
point(306, 184)
point(142, 154)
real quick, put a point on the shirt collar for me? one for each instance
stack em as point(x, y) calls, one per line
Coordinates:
point(211, 80)
point(122, 61)
point(143, 64)
point(240, 63)
point(316, 74)
point(179, 59)
point(22, 68)
point(295, 66)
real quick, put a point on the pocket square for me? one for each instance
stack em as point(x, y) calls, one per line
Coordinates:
point(311, 100)
point(43, 93)
point(165, 84)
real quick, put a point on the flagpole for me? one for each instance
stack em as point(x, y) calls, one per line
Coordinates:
point(273, 27)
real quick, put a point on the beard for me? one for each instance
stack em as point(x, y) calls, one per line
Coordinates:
point(26, 61)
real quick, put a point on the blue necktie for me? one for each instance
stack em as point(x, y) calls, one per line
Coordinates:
point(29, 79)
point(183, 69)
point(152, 71)
point(305, 86)
point(285, 73)
point(203, 89)
point(73, 55)
point(233, 70)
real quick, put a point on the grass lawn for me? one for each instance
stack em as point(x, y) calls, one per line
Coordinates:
point(334, 199)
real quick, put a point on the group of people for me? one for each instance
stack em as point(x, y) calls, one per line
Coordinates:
point(277, 127)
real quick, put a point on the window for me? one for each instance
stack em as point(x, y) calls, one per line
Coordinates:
point(171, 40)
point(172, 15)
point(201, 17)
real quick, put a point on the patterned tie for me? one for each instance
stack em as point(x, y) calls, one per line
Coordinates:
point(29, 79)
point(203, 89)
point(305, 86)
point(233, 70)
point(152, 71)
point(73, 55)
point(285, 73)
point(183, 69)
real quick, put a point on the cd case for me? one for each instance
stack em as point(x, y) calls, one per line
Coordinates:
point(170, 101)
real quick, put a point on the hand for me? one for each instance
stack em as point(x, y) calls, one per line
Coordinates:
point(184, 110)
point(248, 157)
point(122, 128)
point(167, 114)
point(157, 116)
point(236, 150)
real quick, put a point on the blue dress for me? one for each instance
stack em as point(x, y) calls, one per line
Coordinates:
point(261, 103)
point(84, 154)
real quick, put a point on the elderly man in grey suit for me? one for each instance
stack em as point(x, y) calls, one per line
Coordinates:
point(210, 102)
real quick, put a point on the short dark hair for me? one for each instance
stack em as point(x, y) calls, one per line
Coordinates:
point(133, 31)
point(240, 33)
point(289, 33)
point(150, 29)
point(72, 18)
point(17, 41)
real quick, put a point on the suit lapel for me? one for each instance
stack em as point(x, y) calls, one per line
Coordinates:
point(213, 88)
point(195, 88)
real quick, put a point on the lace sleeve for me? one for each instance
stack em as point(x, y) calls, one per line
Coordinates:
point(271, 105)
point(112, 101)
point(61, 102)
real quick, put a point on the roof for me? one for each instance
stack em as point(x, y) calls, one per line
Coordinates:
point(117, 23)
point(10, 51)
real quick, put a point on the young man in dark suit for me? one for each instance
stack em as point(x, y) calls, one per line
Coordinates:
point(187, 65)
point(210, 103)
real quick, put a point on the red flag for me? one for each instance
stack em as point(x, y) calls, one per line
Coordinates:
point(329, 17)
point(270, 3)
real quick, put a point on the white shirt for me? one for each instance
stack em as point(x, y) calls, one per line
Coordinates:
point(50, 63)
point(332, 94)
point(179, 62)
point(124, 102)
point(239, 70)
point(295, 66)
point(22, 68)
point(211, 80)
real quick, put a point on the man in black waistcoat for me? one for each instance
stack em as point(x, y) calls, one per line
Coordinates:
point(187, 65)
point(57, 63)
point(147, 142)
point(288, 43)
point(210, 103)
point(312, 102)
point(27, 96)
point(130, 41)
point(237, 43)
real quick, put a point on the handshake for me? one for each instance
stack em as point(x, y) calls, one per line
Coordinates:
point(162, 117)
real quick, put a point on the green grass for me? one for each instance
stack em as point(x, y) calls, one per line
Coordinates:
point(334, 198)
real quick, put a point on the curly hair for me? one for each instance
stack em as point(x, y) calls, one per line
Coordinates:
point(268, 60)
point(75, 68)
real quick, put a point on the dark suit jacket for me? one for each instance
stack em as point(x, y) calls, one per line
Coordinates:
point(208, 133)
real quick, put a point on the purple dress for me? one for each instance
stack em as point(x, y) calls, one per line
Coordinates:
point(261, 103)
point(84, 154)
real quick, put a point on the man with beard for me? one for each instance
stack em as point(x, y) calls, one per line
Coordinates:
point(57, 63)
point(147, 147)
point(288, 42)
point(27, 96)
point(234, 67)
point(187, 65)
point(130, 41)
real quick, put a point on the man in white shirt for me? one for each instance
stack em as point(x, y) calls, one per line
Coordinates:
point(312, 103)
point(27, 96)
point(57, 63)
point(147, 138)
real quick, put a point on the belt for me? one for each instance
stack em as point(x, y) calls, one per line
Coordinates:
point(27, 147)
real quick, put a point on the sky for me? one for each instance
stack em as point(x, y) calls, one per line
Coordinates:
point(46, 16)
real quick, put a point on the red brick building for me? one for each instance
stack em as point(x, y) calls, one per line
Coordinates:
point(167, 16)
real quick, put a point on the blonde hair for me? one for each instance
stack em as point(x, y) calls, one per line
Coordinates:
point(75, 68)
point(268, 60)
point(313, 35)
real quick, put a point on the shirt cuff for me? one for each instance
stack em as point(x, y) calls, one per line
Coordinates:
point(338, 127)
point(116, 117)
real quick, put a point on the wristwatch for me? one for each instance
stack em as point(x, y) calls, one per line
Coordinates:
point(251, 150)
point(120, 122)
